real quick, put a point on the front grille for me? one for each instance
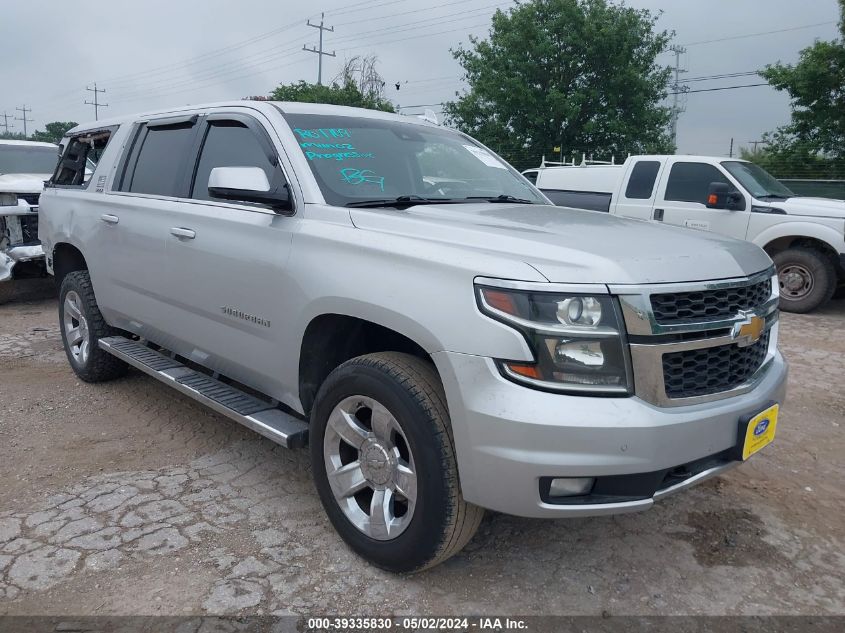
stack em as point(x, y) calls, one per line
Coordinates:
point(708, 305)
point(701, 372)
point(29, 228)
point(19, 229)
point(30, 198)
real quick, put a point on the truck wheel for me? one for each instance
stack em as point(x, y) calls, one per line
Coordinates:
point(82, 326)
point(807, 279)
point(384, 463)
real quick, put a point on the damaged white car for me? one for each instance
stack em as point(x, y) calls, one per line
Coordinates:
point(24, 166)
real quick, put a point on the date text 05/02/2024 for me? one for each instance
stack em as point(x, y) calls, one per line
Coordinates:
point(455, 624)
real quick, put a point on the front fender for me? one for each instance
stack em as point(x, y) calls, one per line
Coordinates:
point(798, 229)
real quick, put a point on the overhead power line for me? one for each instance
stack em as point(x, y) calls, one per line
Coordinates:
point(723, 88)
point(746, 35)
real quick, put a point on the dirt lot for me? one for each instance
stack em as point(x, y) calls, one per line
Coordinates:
point(127, 498)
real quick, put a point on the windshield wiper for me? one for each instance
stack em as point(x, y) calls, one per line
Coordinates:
point(402, 201)
point(502, 198)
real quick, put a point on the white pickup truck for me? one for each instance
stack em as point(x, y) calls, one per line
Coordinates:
point(804, 236)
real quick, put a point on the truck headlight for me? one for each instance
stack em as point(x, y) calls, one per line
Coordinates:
point(578, 340)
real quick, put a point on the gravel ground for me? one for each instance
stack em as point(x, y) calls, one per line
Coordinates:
point(127, 498)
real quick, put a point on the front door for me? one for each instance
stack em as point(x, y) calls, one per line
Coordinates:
point(228, 260)
point(683, 200)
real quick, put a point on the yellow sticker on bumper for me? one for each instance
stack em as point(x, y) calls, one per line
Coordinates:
point(760, 431)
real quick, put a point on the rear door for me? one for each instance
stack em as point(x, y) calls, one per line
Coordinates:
point(228, 258)
point(637, 192)
point(682, 197)
point(132, 225)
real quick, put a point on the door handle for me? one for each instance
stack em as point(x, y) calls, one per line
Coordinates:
point(108, 218)
point(658, 215)
point(186, 234)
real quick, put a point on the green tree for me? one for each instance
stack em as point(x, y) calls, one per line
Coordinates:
point(346, 94)
point(12, 136)
point(53, 132)
point(816, 87)
point(580, 74)
point(358, 84)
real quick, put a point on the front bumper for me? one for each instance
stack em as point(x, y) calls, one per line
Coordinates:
point(14, 255)
point(510, 438)
point(17, 245)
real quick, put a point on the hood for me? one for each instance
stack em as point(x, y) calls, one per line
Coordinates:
point(22, 183)
point(818, 207)
point(574, 246)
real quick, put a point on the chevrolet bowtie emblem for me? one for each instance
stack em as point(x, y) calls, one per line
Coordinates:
point(748, 331)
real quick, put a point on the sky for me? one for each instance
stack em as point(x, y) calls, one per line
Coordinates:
point(162, 53)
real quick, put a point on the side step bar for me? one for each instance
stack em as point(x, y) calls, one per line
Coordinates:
point(258, 415)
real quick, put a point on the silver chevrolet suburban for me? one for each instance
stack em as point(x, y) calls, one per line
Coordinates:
point(395, 295)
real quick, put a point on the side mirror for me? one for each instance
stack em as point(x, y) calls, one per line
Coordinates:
point(717, 195)
point(721, 196)
point(247, 184)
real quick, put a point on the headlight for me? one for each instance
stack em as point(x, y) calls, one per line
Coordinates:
point(577, 339)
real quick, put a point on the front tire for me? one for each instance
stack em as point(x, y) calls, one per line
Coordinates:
point(384, 463)
point(807, 279)
point(82, 326)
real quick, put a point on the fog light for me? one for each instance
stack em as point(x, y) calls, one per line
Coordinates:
point(571, 486)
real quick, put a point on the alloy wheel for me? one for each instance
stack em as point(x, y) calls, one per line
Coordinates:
point(370, 467)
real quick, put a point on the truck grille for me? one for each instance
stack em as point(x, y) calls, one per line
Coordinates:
point(30, 198)
point(700, 372)
point(708, 305)
point(29, 227)
point(19, 229)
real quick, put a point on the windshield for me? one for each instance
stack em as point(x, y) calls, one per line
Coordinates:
point(358, 159)
point(20, 159)
point(758, 182)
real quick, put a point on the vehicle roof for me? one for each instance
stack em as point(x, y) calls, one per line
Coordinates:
point(28, 143)
point(267, 107)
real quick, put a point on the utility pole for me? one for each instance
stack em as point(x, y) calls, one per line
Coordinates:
point(6, 125)
point(677, 89)
point(24, 109)
point(319, 51)
point(756, 143)
point(96, 102)
point(731, 153)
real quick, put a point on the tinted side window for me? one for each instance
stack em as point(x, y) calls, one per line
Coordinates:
point(690, 182)
point(161, 160)
point(641, 183)
point(531, 176)
point(229, 144)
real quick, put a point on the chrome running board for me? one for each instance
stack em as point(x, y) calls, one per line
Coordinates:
point(254, 413)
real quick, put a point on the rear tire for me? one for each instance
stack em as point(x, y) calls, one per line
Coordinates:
point(379, 416)
point(82, 326)
point(807, 279)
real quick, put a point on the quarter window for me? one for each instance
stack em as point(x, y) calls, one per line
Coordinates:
point(160, 166)
point(641, 183)
point(690, 182)
point(81, 157)
point(230, 144)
